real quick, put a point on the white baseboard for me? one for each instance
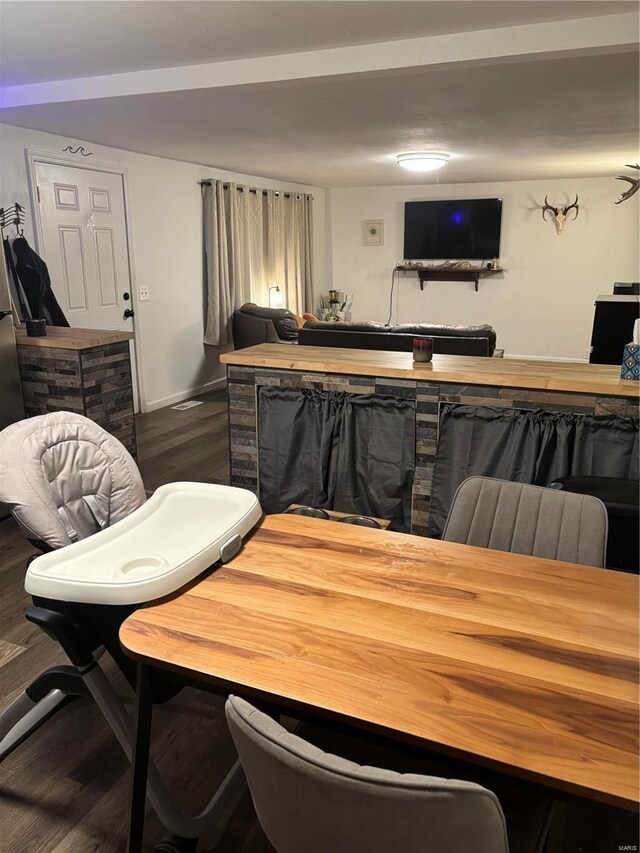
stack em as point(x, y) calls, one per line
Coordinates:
point(214, 385)
point(547, 358)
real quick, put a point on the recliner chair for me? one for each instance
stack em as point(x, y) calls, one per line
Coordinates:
point(256, 324)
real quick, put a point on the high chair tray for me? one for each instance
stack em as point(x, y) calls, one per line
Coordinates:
point(179, 532)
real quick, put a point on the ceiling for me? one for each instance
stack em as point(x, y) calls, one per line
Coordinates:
point(60, 39)
point(571, 113)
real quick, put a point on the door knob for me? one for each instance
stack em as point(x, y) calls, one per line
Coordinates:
point(128, 313)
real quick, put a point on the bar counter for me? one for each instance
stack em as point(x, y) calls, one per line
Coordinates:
point(601, 379)
point(575, 388)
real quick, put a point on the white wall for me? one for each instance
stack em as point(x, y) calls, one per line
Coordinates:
point(541, 306)
point(166, 228)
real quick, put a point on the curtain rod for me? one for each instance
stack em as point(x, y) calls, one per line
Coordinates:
point(241, 189)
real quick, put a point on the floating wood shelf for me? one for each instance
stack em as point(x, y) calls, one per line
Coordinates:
point(443, 274)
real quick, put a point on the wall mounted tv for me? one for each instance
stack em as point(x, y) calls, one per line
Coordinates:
point(468, 229)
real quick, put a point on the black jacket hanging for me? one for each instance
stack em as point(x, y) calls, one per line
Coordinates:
point(15, 288)
point(34, 277)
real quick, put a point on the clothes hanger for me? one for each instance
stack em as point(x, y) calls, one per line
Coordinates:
point(14, 215)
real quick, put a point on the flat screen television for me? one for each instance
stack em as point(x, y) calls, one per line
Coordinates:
point(467, 229)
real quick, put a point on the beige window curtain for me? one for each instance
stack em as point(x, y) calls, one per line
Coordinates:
point(254, 240)
point(289, 244)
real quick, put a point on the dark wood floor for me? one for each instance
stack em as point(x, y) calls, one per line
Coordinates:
point(65, 790)
point(189, 445)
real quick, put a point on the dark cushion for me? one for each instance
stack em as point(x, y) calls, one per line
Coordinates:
point(448, 331)
point(348, 339)
point(619, 495)
point(367, 326)
point(285, 321)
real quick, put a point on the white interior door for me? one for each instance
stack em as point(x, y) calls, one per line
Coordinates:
point(84, 243)
point(84, 236)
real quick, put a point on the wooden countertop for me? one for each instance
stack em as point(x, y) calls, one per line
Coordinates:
point(61, 337)
point(505, 372)
point(524, 664)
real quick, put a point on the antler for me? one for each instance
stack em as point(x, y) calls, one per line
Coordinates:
point(573, 206)
point(548, 206)
point(635, 183)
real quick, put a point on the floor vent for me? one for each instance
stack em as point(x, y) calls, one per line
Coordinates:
point(188, 404)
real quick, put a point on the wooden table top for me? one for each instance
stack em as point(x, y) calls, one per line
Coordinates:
point(63, 337)
point(518, 663)
point(506, 372)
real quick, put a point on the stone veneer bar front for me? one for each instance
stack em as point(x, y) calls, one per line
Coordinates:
point(517, 383)
point(87, 371)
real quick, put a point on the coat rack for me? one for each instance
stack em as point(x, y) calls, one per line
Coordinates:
point(13, 215)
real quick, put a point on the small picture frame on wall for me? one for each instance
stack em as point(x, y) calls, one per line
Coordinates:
point(373, 232)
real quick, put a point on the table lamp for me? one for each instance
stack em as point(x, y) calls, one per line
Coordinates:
point(275, 296)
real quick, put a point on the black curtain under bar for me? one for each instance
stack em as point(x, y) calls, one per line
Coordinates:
point(335, 450)
point(526, 446)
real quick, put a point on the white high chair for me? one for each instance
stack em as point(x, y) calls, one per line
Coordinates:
point(77, 494)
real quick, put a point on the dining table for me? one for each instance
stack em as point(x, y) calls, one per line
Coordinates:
point(524, 665)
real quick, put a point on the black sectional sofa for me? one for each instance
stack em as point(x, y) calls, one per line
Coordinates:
point(254, 324)
point(449, 340)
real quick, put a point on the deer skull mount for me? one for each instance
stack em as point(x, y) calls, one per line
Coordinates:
point(559, 214)
point(633, 182)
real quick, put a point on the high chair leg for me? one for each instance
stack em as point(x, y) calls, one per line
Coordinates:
point(24, 716)
point(221, 805)
point(50, 692)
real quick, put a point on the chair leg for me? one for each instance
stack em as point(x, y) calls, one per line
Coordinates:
point(60, 685)
point(24, 716)
point(175, 844)
point(50, 692)
point(213, 818)
point(544, 835)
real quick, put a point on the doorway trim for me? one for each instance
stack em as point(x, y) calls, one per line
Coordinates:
point(33, 156)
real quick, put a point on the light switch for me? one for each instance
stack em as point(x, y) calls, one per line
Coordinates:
point(143, 293)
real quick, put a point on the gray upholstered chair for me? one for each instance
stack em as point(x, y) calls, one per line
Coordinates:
point(310, 801)
point(530, 520)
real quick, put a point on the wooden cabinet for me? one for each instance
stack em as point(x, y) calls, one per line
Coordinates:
point(86, 371)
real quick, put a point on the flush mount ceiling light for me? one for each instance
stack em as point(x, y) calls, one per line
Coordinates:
point(422, 161)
